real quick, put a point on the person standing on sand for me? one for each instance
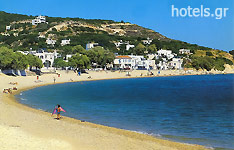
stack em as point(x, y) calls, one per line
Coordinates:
point(58, 112)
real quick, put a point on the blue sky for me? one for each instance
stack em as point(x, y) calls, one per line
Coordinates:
point(153, 14)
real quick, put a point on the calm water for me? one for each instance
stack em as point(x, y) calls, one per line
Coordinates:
point(190, 109)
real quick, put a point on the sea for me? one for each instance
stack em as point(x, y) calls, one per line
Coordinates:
point(195, 109)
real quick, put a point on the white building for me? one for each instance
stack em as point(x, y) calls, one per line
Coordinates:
point(91, 45)
point(8, 27)
point(24, 52)
point(38, 20)
point(68, 56)
point(119, 43)
point(147, 41)
point(16, 34)
point(5, 34)
point(162, 65)
point(185, 51)
point(123, 62)
point(167, 53)
point(49, 41)
point(128, 46)
point(176, 63)
point(47, 58)
point(65, 42)
point(130, 62)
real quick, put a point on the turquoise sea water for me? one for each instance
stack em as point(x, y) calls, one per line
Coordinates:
point(190, 109)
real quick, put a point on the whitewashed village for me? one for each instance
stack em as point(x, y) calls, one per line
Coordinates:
point(159, 59)
point(162, 60)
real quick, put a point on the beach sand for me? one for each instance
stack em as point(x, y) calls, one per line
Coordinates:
point(22, 127)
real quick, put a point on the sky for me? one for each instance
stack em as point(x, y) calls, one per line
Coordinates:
point(188, 26)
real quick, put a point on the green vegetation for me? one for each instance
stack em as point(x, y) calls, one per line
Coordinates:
point(24, 36)
point(100, 56)
point(60, 63)
point(79, 61)
point(7, 18)
point(34, 61)
point(95, 57)
point(232, 53)
point(16, 60)
point(152, 49)
point(208, 63)
point(28, 35)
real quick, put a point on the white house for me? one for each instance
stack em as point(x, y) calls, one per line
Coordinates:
point(167, 53)
point(24, 52)
point(49, 41)
point(162, 65)
point(128, 46)
point(38, 20)
point(176, 63)
point(65, 42)
point(8, 27)
point(123, 62)
point(185, 51)
point(68, 56)
point(47, 58)
point(131, 62)
point(119, 43)
point(147, 41)
point(91, 45)
point(5, 34)
point(16, 34)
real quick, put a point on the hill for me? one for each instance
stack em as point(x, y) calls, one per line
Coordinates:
point(22, 35)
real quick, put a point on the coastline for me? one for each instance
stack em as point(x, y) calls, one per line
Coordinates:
point(68, 132)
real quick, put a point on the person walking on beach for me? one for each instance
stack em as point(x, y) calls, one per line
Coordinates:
point(58, 110)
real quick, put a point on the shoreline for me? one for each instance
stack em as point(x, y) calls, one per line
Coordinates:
point(137, 139)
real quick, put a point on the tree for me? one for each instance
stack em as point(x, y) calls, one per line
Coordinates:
point(140, 48)
point(202, 62)
point(232, 53)
point(66, 49)
point(152, 49)
point(79, 61)
point(60, 63)
point(6, 58)
point(20, 61)
point(220, 61)
point(16, 60)
point(34, 61)
point(78, 49)
point(100, 56)
point(54, 29)
point(209, 54)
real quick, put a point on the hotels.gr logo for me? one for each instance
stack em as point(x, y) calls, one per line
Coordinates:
point(218, 13)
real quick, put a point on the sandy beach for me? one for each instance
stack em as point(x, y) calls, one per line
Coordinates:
point(22, 127)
